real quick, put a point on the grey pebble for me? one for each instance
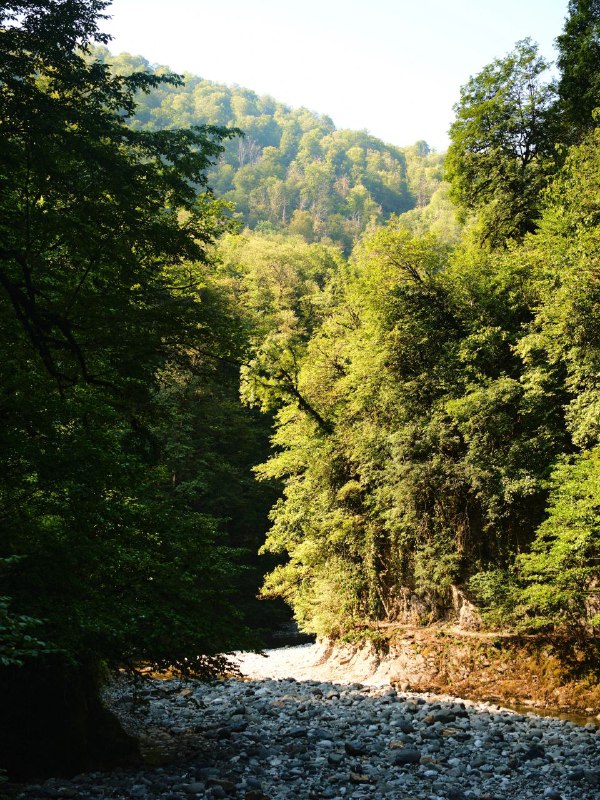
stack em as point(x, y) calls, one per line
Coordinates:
point(407, 757)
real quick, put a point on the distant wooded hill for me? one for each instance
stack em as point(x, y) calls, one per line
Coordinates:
point(292, 170)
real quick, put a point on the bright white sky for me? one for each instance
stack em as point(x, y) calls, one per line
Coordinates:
point(393, 67)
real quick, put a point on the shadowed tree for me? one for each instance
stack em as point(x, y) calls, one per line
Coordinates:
point(103, 237)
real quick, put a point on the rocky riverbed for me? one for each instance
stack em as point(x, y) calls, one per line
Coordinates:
point(289, 729)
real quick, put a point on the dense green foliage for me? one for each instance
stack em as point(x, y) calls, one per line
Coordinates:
point(579, 62)
point(433, 453)
point(292, 170)
point(502, 144)
point(105, 304)
point(445, 428)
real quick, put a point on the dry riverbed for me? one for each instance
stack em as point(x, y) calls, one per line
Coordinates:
point(296, 727)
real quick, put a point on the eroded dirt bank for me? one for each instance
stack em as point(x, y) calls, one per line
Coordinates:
point(508, 670)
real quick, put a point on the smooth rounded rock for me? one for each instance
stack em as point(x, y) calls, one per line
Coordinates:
point(407, 757)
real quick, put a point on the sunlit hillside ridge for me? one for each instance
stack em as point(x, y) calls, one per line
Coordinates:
point(291, 170)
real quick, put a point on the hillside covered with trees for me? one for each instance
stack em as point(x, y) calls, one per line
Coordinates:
point(412, 398)
point(291, 171)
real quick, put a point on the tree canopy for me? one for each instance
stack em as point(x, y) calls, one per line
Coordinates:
point(502, 144)
point(292, 170)
point(579, 63)
point(104, 241)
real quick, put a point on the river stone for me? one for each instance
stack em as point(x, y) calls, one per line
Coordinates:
point(592, 777)
point(354, 749)
point(359, 777)
point(536, 751)
point(406, 757)
point(455, 794)
point(193, 788)
point(297, 733)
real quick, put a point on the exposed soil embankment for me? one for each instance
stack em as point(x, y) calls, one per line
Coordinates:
point(522, 671)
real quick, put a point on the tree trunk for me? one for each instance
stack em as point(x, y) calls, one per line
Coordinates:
point(53, 722)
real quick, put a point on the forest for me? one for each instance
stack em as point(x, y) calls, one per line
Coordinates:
point(291, 171)
point(245, 353)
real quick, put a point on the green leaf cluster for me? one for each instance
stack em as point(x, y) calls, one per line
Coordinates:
point(502, 144)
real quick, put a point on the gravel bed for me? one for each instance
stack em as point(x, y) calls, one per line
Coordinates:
point(277, 736)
